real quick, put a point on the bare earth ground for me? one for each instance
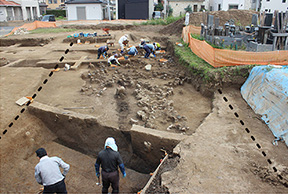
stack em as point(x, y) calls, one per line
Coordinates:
point(218, 155)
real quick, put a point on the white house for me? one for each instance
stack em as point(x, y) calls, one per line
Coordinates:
point(217, 5)
point(19, 10)
point(30, 9)
point(10, 10)
point(86, 10)
point(272, 5)
point(179, 6)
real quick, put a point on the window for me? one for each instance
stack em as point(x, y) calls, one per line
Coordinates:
point(50, 1)
point(195, 8)
point(202, 7)
point(55, 1)
point(219, 7)
point(62, 1)
point(268, 0)
point(233, 6)
point(283, 1)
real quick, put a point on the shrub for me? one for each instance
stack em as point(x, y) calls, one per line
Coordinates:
point(56, 12)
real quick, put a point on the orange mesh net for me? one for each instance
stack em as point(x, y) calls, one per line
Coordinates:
point(34, 25)
point(221, 57)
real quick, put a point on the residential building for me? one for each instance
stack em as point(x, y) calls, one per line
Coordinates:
point(179, 6)
point(217, 5)
point(134, 9)
point(86, 10)
point(271, 5)
point(9, 11)
point(19, 10)
point(55, 4)
point(42, 7)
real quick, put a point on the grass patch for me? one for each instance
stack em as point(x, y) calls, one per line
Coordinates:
point(165, 21)
point(207, 72)
point(61, 18)
point(51, 30)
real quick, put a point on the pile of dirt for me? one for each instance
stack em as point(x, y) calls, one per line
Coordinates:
point(240, 17)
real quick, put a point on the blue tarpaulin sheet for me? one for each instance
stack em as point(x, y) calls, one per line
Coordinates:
point(266, 92)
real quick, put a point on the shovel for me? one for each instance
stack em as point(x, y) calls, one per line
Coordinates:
point(99, 183)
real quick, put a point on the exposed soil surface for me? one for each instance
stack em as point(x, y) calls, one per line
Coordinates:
point(225, 150)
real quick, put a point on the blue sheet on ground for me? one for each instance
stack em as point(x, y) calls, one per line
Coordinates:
point(266, 92)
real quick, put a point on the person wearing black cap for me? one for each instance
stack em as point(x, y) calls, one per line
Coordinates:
point(48, 173)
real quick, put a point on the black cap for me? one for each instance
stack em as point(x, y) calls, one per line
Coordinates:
point(41, 152)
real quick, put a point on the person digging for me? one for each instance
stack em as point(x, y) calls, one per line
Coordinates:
point(113, 60)
point(103, 51)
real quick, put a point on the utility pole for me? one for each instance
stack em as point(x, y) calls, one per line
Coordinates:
point(257, 5)
point(109, 11)
point(165, 8)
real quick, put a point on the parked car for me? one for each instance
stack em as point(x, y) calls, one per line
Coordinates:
point(156, 15)
point(48, 18)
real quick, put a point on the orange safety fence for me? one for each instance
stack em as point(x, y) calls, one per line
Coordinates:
point(221, 57)
point(34, 25)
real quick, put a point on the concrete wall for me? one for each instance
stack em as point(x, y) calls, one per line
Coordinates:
point(179, 6)
point(242, 4)
point(3, 14)
point(93, 11)
point(273, 5)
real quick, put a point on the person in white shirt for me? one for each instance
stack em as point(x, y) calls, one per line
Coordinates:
point(113, 60)
point(48, 174)
point(187, 18)
point(123, 41)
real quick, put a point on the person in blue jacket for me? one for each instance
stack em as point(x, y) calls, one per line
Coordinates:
point(103, 51)
point(148, 48)
point(109, 159)
point(152, 48)
point(132, 51)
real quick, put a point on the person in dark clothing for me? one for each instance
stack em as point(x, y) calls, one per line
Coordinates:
point(148, 51)
point(103, 51)
point(109, 159)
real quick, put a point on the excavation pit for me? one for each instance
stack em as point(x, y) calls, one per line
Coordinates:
point(146, 119)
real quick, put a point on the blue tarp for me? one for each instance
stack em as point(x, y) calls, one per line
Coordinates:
point(266, 91)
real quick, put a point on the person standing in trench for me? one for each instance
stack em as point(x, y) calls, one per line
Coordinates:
point(109, 159)
point(48, 174)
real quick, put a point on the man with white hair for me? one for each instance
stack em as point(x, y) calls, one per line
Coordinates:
point(123, 41)
point(109, 159)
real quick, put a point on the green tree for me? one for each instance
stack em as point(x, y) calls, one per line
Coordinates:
point(170, 10)
point(158, 7)
point(188, 8)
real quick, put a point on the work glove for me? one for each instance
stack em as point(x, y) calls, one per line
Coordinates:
point(97, 174)
point(124, 175)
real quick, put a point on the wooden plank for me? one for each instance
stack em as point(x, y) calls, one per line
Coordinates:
point(78, 63)
point(22, 101)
